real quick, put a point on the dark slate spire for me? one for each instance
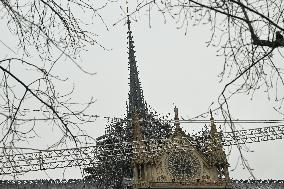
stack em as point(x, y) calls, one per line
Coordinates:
point(135, 95)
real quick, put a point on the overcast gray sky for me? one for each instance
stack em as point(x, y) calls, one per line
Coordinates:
point(174, 70)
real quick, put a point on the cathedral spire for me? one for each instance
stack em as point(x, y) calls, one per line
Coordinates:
point(135, 95)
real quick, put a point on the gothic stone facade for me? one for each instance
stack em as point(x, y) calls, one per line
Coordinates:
point(176, 162)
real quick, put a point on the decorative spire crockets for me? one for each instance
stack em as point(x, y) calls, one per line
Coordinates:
point(135, 95)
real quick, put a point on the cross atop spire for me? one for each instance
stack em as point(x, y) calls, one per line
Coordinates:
point(135, 95)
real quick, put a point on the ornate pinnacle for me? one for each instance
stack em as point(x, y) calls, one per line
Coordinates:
point(213, 126)
point(177, 124)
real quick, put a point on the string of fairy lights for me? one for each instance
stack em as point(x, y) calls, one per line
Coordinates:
point(162, 118)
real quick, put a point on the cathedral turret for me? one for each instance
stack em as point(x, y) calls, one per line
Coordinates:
point(213, 130)
point(218, 155)
point(135, 95)
point(137, 136)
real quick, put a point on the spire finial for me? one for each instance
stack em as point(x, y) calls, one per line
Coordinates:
point(211, 117)
point(213, 126)
point(127, 14)
point(177, 124)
